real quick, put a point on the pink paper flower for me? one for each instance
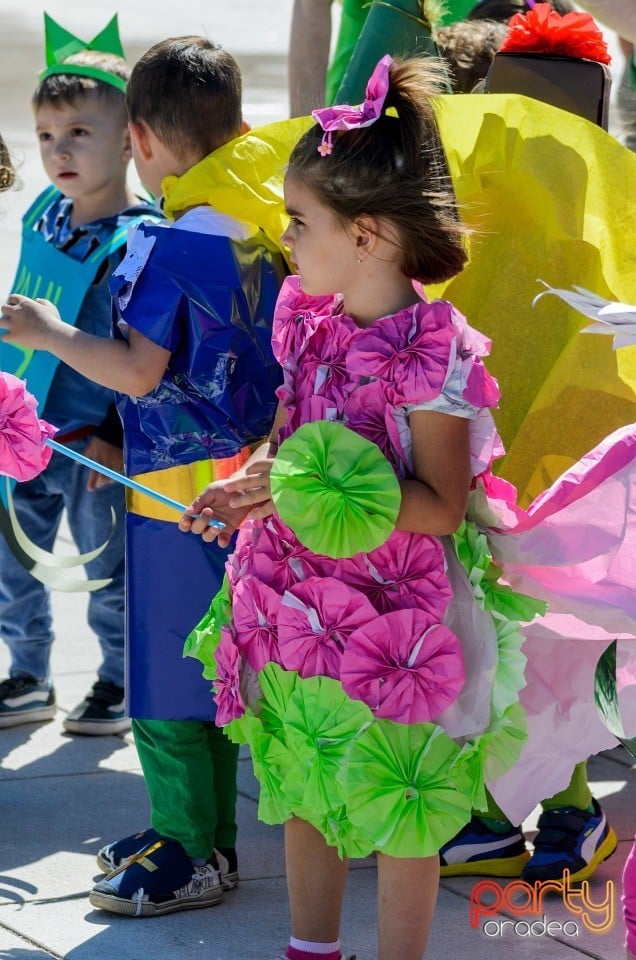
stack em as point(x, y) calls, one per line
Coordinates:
point(296, 317)
point(368, 413)
point(403, 668)
point(315, 620)
point(227, 695)
point(254, 617)
point(281, 561)
point(411, 352)
point(23, 450)
point(406, 571)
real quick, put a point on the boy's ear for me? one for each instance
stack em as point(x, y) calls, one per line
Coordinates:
point(140, 139)
point(245, 127)
point(127, 151)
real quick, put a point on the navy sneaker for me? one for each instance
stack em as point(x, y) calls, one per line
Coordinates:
point(478, 851)
point(161, 879)
point(115, 855)
point(25, 700)
point(101, 713)
point(570, 839)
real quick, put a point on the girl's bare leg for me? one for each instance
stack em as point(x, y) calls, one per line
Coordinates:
point(315, 882)
point(407, 892)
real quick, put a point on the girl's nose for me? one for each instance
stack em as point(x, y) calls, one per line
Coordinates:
point(286, 238)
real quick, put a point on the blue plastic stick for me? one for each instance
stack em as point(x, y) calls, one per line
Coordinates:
point(126, 481)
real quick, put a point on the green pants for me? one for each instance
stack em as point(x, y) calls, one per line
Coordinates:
point(190, 772)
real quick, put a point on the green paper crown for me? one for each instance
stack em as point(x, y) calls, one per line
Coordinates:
point(61, 44)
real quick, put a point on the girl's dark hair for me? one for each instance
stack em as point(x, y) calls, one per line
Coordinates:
point(188, 91)
point(7, 173)
point(395, 170)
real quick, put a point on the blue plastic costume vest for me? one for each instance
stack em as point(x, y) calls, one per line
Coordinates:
point(210, 301)
point(44, 271)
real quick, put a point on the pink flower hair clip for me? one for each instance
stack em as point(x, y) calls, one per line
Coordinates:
point(344, 117)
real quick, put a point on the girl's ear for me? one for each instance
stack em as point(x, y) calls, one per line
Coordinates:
point(140, 139)
point(365, 232)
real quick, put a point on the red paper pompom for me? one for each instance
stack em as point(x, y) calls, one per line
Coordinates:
point(542, 30)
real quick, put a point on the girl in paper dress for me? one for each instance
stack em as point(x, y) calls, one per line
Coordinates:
point(363, 646)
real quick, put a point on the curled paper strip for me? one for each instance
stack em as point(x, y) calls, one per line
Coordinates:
point(606, 698)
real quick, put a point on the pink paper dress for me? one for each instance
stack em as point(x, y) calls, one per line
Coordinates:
point(377, 692)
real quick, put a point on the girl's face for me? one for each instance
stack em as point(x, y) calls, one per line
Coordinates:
point(323, 251)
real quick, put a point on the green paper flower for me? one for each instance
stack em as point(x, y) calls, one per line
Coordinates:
point(321, 722)
point(202, 642)
point(336, 490)
point(339, 832)
point(271, 761)
point(493, 753)
point(399, 792)
point(277, 686)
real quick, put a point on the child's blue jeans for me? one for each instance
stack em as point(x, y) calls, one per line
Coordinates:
point(25, 611)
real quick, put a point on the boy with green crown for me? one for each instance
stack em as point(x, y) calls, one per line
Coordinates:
point(192, 361)
point(74, 236)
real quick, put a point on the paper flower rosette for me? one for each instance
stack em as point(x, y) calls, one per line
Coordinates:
point(335, 489)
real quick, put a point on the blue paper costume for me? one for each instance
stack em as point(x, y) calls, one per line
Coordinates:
point(209, 300)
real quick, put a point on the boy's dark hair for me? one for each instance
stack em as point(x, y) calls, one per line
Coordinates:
point(469, 47)
point(68, 87)
point(7, 173)
point(188, 91)
point(395, 170)
point(503, 10)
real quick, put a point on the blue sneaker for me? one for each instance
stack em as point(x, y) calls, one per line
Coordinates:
point(570, 839)
point(161, 879)
point(480, 852)
point(115, 855)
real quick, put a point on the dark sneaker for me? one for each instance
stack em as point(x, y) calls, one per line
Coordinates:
point(115, 855)
point(161, 879)
point(570, 839)
point(25, 700)
point(101, 713)
point(478, 851)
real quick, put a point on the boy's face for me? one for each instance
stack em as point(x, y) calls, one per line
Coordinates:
point(83, 145)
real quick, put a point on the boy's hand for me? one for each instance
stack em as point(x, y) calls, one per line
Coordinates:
point(252, 490)
point(106, 454)
point(28, 322)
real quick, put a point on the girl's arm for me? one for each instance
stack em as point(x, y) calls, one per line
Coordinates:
point(134, 366)
point(434, 501)
point(246, 493)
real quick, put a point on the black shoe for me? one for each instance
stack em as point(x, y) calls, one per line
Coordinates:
point(25, 700)
point(101, 713)
point(570, 839)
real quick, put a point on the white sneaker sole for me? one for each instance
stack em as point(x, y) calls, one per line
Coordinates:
point(130, 908)
point(96, 728)
point(19, 717)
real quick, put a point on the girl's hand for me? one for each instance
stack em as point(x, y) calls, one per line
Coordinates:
point(213, 503)
point(252, 490)
point(28, 323)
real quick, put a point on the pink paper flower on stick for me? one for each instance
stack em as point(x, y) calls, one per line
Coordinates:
point(227, 695)
point(403, 668)
point(315, 621)
point(23, 450)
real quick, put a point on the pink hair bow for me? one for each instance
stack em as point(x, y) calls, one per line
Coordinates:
point(344, 117)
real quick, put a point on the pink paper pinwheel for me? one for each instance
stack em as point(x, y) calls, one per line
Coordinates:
point(227, 695)
point(406, 571)
point(23, 450)
point(412, 352)
point(315, 621)
point(255, 610)
point(344, 117)
point(367, 414)
point(281, 561)
point(403, 668)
